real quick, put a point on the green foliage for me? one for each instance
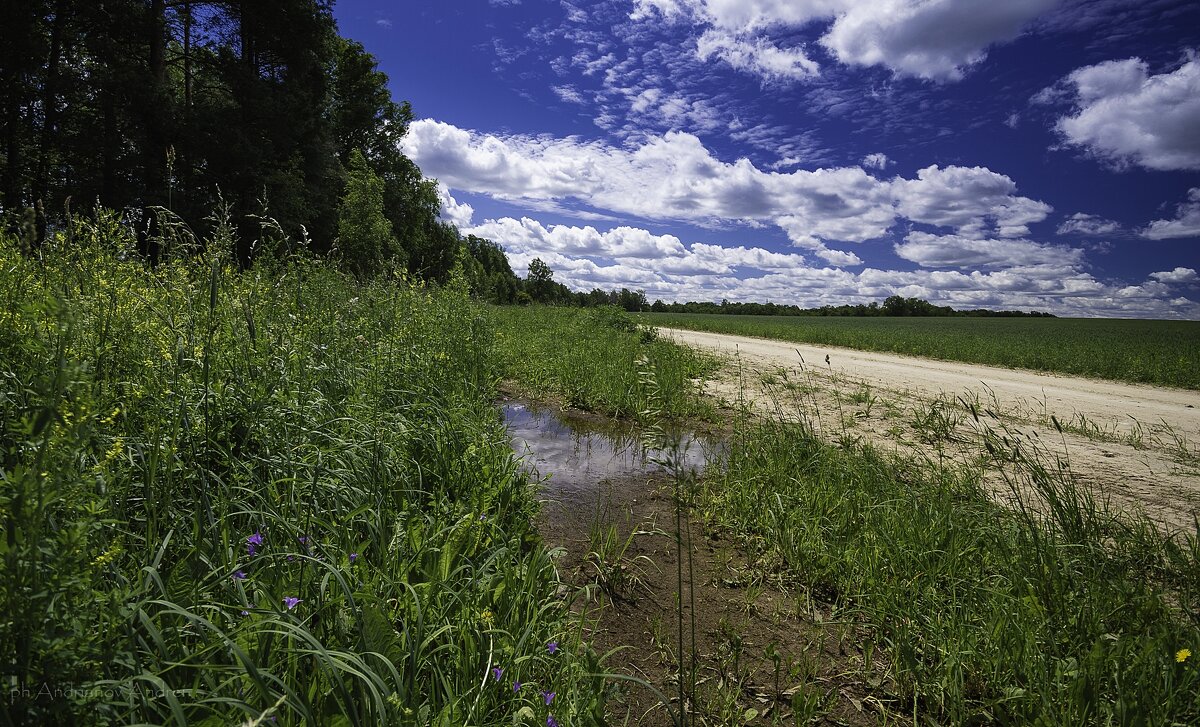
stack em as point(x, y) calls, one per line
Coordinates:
point(187, 105)
point(540, 281)
point(589, 358)
point(364, 233)
point(184, 450)
point(494, 280)
point(1002, 615)
point(1166, 353)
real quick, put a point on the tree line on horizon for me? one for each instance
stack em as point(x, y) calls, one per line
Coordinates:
point(892, 306)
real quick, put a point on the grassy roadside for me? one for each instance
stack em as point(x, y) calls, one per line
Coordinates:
point(589, 358)
point(986, 614)
point(1163, 353)
point(1063, 613)
point(272, 495)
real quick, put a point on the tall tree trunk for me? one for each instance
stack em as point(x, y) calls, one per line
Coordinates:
point(155, 112)
point(246, 35)
point(12, 154)
point(187, 60)
point(108, 164)
point(50, 93)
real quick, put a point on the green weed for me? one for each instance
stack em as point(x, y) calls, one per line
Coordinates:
point(269, 494)
point(588, 358)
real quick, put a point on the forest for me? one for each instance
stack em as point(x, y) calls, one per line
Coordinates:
point(170, 110)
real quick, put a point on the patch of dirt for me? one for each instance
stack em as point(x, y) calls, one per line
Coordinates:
point(1137, 446)
point(761, 651)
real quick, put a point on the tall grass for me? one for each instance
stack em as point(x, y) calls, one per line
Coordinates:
point(1165, 353)
point(264, 495)
point(589, 358)
point(1049, 609)
point(1062, 613)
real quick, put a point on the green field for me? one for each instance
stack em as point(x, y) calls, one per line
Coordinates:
point(1164, 353)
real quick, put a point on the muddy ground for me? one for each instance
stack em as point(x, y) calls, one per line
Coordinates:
point(762, 652)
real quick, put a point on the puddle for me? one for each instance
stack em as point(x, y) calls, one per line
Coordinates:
point(577, 453)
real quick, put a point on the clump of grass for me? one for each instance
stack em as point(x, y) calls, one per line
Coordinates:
point(269, 494)
point(589, 359)
point(1059, 613)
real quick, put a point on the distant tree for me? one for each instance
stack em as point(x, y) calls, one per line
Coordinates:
point(539, 283)
point(364, 233)
point(632, 300)
point(499, 284)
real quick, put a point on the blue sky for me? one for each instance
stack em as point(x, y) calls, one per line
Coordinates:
point(1033, 154)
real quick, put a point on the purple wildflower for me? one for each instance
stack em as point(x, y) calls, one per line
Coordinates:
point(239, 575)
point(550, 721)
point(497, 672)
point(253, 542)
point(549, 697)
point(517, 686)
point(290, 602)
point(353, 557)
point(552, 647)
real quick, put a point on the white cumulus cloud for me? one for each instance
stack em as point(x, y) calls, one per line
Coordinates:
point(953, 251)
point(453, 211)
point(877, 160)
point(1127, 116)
point(1042, 277)
point(674, 176)
point(1178, 276)
point(931, 39)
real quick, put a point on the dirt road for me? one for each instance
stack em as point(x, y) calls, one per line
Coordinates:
point(1138, 444)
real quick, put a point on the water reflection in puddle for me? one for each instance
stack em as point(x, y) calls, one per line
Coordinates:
point(577, 453)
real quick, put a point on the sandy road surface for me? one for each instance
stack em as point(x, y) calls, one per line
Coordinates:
point(1138, 444)
point(1063, 396)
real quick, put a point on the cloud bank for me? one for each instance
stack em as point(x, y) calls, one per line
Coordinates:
point(674, 177)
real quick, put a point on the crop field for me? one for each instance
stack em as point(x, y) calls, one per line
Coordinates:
point(1164, 353)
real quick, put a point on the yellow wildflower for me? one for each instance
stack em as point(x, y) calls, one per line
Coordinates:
point(486, 616)
point(116, 450)
point(1182, 655)
point(107, 555)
